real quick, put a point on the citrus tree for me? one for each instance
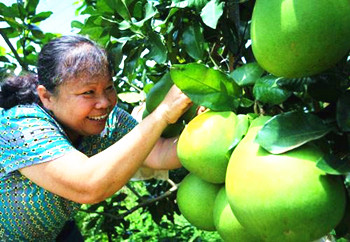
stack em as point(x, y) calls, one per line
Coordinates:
point(278, 61)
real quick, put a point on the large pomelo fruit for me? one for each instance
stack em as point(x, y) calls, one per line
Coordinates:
point(282, 197)
point(196, 198)
point(297, 38)
point(228, 227)
point(204, 144)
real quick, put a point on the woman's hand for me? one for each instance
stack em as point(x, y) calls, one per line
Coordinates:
point(174, 105)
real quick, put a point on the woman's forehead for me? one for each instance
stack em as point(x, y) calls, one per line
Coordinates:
point(84, 80)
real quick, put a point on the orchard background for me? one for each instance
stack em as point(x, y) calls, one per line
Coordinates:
point(146, 39)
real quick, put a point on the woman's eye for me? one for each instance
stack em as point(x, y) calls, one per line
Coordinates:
point(110, 87)
point(88, 92)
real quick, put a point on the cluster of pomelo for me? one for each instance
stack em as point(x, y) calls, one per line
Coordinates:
point(236, 187)
point(253, 195)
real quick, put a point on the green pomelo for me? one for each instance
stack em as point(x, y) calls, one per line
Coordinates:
point(196, 198)
point(228, 227)
point(204, 144)
point(343, 228)
point(297, 38)
point(282, 197)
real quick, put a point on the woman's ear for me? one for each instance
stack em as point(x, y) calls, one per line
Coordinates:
point(45, 96)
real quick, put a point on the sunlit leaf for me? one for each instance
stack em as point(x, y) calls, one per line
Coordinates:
point(212, 12)
point(290, 130)
point(119, 7)
point(241, 128)
point(90, 29)
point(266, 90)
point(2, 51)
point(206, 86)
point(76, 24)
point(40, 16)
point(247, 74)
point(131, 97)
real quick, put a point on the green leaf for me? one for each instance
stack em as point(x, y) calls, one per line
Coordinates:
point(343, 112)
point(150, 11)
point(206, 86)
point(31, 59)
point(181, 4)
point(147, 88)
point(4, 59)
point(290, 130)
point(36, 31)
point(158, 51)
point(266, 90)
point(30, 6)
point(294, 84)
point(76, 24)
point(119, 6)
point(137, 10)
point(212, 12)
point(247, 74)
point(2, 8)
point(193, 40)
point(117, 55)
point(241, 129)
point(9, 12)
point(89, 28)
point(22, 13)
point(197, 4)
point(333, 165)
point(40, 16)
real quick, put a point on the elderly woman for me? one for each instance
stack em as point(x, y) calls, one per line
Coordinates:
point(64, 142)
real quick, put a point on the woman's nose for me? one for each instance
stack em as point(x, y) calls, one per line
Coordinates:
point(103, 102)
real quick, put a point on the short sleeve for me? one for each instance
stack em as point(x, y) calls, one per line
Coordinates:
point(119, 123)
point(29, 136)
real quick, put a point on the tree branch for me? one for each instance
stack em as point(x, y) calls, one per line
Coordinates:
point(143, 204)
point(14, 51)
point(133, 190)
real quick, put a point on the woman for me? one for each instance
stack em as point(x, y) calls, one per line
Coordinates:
point(64, 142)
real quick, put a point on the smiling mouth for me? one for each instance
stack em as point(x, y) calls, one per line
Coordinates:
point(98, 118)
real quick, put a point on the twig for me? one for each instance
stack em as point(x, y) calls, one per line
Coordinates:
point(143, 204)
point(133, 190)
point(14, 51)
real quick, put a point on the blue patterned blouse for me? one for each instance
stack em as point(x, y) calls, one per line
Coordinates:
point(28, 136)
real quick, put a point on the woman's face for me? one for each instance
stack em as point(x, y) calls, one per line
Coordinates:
point(82, 104)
